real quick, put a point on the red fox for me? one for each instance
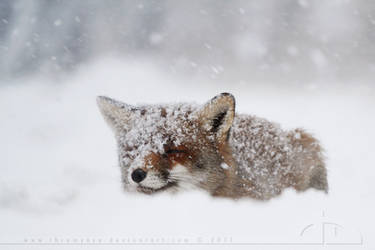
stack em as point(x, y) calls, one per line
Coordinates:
point(179, 146)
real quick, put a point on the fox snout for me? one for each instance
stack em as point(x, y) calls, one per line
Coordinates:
point(149, 181)
point(147, 173)
point(138, 175)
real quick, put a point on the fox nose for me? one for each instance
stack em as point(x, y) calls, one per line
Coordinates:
point(138, 175)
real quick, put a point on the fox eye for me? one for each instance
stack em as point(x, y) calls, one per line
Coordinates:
point(172, 151)
point(175, 151)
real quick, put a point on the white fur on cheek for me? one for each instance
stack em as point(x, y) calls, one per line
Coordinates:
point(153, 181)
point(183, 177)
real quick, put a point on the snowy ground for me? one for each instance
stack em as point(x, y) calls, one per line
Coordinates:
point(60, 182)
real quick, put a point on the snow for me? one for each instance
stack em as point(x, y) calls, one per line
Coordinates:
point(319, 59)
point(57, 22)
point(60, 179)
point(224, 165)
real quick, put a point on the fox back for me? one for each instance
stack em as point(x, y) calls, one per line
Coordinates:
point(181, 146)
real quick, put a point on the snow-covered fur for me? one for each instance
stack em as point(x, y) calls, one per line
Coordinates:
point(179, 146)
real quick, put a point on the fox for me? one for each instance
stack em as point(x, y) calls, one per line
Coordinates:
point(182, 146)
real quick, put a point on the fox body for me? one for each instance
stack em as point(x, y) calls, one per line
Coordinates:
point(179, 146)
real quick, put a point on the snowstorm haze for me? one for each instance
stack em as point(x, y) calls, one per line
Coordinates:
point(274, 41)
point(301, 64)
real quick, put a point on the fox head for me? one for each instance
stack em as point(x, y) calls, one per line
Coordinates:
point(168, 147)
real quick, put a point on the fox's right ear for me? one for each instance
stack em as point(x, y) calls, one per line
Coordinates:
point(217, 116)
point(117, 114)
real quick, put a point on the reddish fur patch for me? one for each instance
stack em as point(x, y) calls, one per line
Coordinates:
point(168, 161)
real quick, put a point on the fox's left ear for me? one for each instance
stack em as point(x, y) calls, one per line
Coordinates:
point(217, 115)
point(117, 114)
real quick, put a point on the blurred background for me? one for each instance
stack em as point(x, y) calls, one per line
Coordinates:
point(300, 63)
point(292, 41)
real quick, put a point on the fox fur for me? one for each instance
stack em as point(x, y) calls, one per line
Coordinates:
point(182, 146)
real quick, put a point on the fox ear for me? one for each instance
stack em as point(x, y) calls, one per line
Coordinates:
point(217, 115)
point(118, 115)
